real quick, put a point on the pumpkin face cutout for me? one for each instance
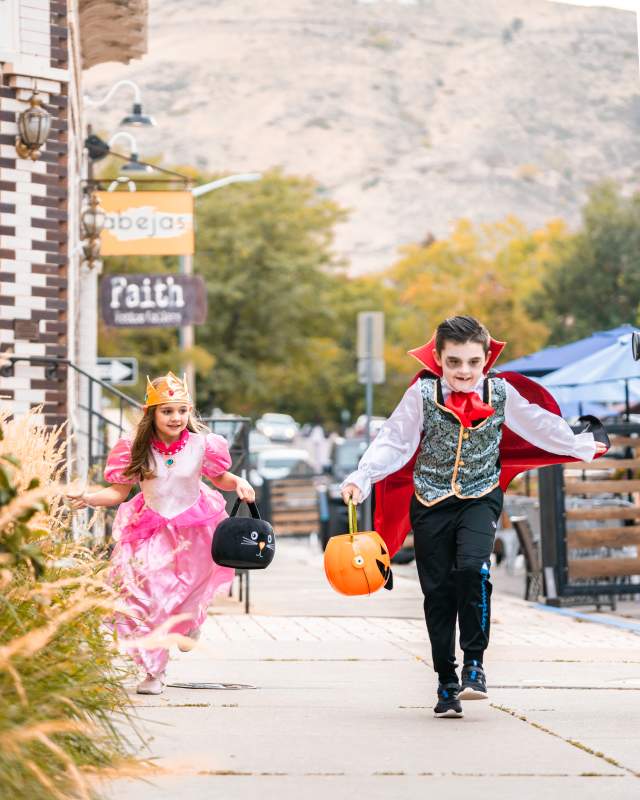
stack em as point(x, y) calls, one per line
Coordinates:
point(357, 563)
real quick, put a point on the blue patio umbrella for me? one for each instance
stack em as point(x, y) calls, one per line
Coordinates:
point(553, 358)
point(609, 375)
point(571, 409)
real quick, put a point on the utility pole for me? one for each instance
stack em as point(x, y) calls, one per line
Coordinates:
point(186, 333)
point(370, 371)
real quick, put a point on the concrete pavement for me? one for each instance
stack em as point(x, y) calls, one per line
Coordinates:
point(343, 698)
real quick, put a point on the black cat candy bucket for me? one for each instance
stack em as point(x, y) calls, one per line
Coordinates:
point(244, 542)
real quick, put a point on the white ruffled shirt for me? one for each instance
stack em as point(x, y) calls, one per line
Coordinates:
point(399, 437)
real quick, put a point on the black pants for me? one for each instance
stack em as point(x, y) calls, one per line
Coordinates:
point(453, 544)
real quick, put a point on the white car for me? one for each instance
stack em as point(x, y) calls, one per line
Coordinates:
point(275, 463)
point(278, 427)
point(360, 426)
point(258, 441)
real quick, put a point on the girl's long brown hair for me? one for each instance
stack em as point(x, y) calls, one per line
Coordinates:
point(140, 465)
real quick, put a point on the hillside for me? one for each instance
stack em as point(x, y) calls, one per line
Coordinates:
point(412, 113)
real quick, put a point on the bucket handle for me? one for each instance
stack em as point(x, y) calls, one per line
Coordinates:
point(353, 519)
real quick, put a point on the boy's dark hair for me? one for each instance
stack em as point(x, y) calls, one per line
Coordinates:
point(462, 330)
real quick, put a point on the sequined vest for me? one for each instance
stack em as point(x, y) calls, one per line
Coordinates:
point(454, 460)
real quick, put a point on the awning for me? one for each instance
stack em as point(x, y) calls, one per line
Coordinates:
point(112, 30)
point(553, 358)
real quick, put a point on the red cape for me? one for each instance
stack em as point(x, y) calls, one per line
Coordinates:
point(393, 494)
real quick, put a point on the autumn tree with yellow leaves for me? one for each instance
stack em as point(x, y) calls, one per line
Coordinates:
point(487, 271)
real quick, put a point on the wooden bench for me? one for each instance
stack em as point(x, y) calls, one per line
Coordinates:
point(624, 530)
point(293, 506)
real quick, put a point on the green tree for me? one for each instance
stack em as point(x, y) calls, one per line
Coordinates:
point(280, 332)
point(594, 281)
point(319, 381)
point(264, 251)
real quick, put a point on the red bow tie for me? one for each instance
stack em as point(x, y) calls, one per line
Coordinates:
point(468, 407)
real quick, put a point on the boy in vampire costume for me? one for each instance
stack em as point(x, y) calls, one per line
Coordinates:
point(440, 464)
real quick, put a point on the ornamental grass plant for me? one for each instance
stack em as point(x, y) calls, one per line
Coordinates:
point(62, 701)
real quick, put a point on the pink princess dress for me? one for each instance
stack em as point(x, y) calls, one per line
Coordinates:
point(162, 560)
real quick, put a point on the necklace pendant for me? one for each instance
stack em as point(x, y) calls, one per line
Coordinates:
point(170, 462)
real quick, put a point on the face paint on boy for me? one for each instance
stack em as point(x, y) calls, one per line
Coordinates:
point(462, 364)
point(170, 419)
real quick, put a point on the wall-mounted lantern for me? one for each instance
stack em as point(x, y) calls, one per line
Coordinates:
point(92, 222)
point(34, 124)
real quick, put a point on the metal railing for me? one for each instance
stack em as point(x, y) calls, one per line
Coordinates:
point(236, 431)
point(93, 423)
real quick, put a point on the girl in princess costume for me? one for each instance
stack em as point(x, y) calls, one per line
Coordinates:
point(162, 559)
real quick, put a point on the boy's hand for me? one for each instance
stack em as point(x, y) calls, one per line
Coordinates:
point(351, 492)
point(601, 447)
point(245, 491)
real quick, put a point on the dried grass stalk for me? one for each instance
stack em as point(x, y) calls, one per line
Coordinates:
point(61, 677)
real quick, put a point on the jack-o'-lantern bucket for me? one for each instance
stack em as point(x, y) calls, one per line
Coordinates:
point(357, 563)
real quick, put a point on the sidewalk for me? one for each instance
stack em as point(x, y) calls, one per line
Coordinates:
point(343, 698)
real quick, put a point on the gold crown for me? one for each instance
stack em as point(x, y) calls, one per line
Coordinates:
point(170, 389)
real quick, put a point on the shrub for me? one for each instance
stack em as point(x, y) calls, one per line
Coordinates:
point(61, 680)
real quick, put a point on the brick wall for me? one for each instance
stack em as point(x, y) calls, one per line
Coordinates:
point(33, 221)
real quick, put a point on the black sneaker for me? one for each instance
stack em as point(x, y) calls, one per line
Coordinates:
point(448, 704)
point(474, 682)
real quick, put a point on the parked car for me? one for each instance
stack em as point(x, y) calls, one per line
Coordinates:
point(343, 459)
point(258, 441)
point(278, 427)
point(360, 426)
point(275, 463)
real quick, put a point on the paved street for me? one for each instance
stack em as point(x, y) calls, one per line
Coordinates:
point(343, 698)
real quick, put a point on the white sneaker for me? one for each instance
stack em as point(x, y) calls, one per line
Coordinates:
point(186, 647)
point(152, 684)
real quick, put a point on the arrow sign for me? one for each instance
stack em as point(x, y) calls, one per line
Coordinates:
point(118, 371)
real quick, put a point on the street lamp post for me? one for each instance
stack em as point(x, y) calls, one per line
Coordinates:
point(186, 333)
point(136, 119)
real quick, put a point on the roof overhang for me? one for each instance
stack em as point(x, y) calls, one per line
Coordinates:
point(112, 30)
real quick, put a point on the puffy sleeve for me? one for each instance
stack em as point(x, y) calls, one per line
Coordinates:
point(117, 461)
point(216, 456)
point(546, 430)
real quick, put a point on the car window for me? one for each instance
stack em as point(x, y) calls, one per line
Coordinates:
point(348, 454)
point(275, 463)
point(282, 419)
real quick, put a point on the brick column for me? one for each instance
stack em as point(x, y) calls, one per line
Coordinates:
point(33, 233)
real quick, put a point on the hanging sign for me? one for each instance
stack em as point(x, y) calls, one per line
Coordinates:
point(147, 223)
point(146, 301)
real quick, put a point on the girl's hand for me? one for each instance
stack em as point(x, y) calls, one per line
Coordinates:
point(351, 492)
point(78, 501)
point(245, 491)
point(601, 447)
